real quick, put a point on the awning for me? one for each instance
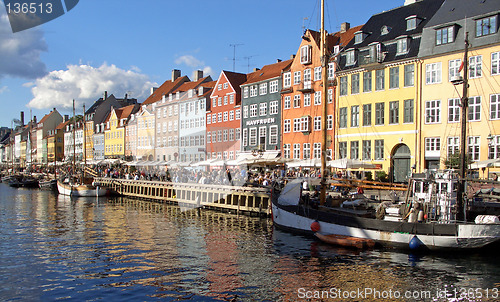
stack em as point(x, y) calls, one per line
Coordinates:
point(347, 163)
point(489, 163)
point(315, 162)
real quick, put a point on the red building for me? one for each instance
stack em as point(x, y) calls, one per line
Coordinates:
point(224, 117)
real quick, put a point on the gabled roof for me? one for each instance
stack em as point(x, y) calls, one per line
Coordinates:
point(62, 125)
point(165, 89)
point(455, 10)
point(267, 72)
point(343, 38)
point(46, 116)
point(235, 78)
point(126, 112)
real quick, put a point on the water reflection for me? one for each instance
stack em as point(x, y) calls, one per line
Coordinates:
point(56, 247)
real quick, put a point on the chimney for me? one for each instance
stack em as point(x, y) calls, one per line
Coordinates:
point(256, 69)
point(176, 73)
point(153, 89)
point(22, 118)
point(198, 75)
point(66, 118)
point(345, 27)
point(292, 57)
point(105, 95)
point(34, 119)
point(278, 60)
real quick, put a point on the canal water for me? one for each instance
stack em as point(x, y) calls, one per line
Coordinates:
point(88, 249)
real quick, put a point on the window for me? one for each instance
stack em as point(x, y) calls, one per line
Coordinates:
point(287, 79)
point(305, 124)
point(355, 83)
point(331, 70)
point(296, 151)
point(355, 116)
point(317, 73)
point(402, 46)
point(305, 54)
point(445, 35)
point(237, 114)
point(225, 135)
point(263, 109)
point(219, 101)
point(453, 67)
point(209, 137)
point(273, 135)
point(342, 149)
point(358, 37)
point(367, 81)
point(433, 73)
point(307, 78)
point(343, 117)
point(432, 112)
point(287, 126)
point(432, 144)
point(394, 112)
point(245, 137)
point(317, 150)
point(296, 125)
point(286, 150)
point(317, 123)
point(273, 86)
point(394, 77)
point(219, 136)
point(253, 90)
point(486, 26)
point(454, 110)
point(317, 98)
point(253, 137)
point(350, 57)
point(329, 122)
point(307, 150)
point(367, 150)
point(411, 23)
point(231, 115)
point(253, 110)
point(495, 107)
point(219, 117)
point(225, 100)
point(330, 96)
point(409, 75)
point(307, 99)
point(367, 114)
point(263, 88)
point(475, 108)
point(287, 102)
point(225, 85)
point(494, 147)
point(453, 145)
point(245, 92)
point(343, 86)
point(379, 80)
point(475, 63)
point(408, 111)
point(354, 150)
point(379, 113)
point(296, 78)
point(225, 117)
point(474, 144)
point(495, 63)
point(296, 101)
point(379, 149)
point(273, 107)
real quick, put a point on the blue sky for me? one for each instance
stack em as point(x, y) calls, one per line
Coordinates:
point(127, 46)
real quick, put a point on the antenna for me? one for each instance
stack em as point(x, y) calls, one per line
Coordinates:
point(234, 54)
point(303, 25)
point(248, 61)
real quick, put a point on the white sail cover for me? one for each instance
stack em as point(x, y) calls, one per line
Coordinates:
point(291, 193)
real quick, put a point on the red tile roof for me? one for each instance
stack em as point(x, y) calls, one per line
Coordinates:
point(268, 72)
point(165, 89)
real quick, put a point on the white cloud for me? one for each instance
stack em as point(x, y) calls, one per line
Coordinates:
point(189, 60)
point(85, 83)
point(20, 52)
point(4, 89)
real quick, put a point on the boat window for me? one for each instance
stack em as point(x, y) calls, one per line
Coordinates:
point(444, 188)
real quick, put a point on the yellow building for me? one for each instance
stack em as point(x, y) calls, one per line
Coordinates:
point(114, 133)
point(145, 133)
point(442, 52)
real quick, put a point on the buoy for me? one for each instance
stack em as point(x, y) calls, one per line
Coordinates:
point(315, 227)
point(415, 243)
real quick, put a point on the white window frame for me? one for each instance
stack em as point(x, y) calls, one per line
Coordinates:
point(433, 73)
point(433, 112)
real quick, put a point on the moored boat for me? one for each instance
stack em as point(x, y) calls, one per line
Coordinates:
point(80, 190)
point(48, 184)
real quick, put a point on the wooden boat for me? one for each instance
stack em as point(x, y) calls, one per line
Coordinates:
point(80, 190)
point(346, 241)
point(48, 184)
point(29, 182)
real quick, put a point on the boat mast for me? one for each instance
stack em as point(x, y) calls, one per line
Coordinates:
point(74, 138)
point(324, 101)
point(463, 135)
point(84, 143)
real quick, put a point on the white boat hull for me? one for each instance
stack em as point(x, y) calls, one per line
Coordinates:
point(81, 190)
point(468, 236)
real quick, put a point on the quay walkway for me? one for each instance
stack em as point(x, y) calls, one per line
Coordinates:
point(237, 199)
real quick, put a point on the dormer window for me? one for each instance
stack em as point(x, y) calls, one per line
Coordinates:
point(403, 45)
point(305, 54)
point(376, 54)
point(412, 22)
point(358, 37)
point(350, 57)
point(445, 35)
point(200, 91)
point(385, 30)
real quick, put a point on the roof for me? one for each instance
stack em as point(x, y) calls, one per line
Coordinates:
point(125, 112)
point(46, 116)
point(454, 10)
point(166, 88)
point(267, 72)
point(235, 78)
point(62, 125)
point(343, 38)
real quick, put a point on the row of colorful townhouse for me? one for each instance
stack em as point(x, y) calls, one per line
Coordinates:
point(391, 100)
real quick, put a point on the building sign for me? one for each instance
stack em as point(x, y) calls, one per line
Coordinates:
point(264, 121)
